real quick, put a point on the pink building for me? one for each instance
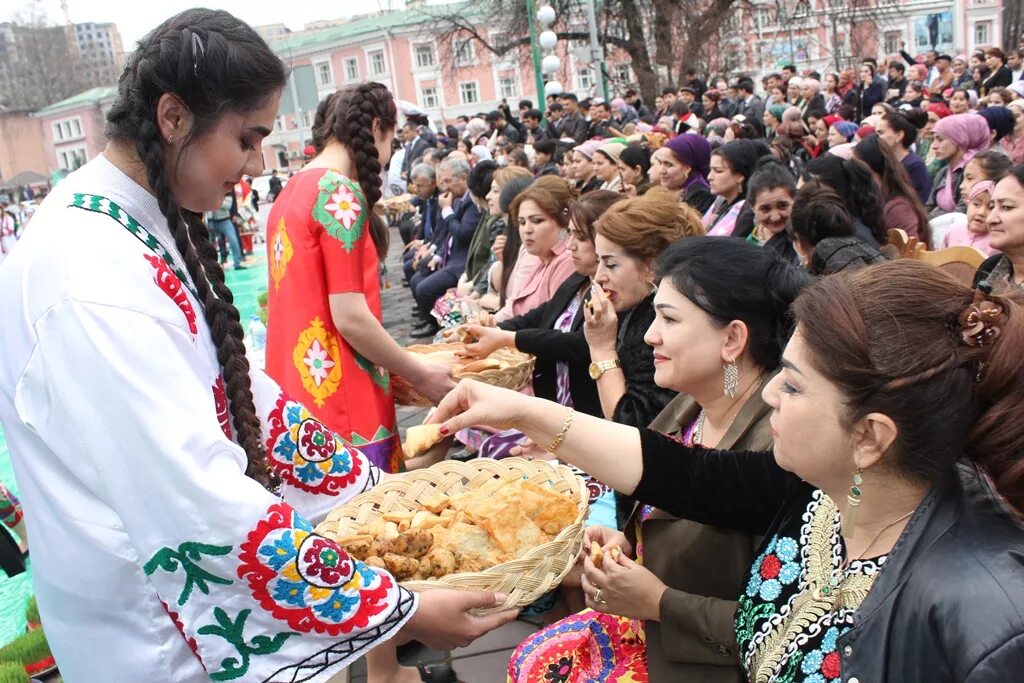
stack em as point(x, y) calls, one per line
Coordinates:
point(21, 146)
point(72, 129)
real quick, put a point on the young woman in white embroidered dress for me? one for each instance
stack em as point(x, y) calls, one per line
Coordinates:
point(148, 452)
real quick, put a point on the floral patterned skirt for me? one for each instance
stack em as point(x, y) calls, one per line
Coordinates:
point(10, 508)
point(583, 648)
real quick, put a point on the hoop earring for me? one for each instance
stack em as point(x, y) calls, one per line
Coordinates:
point(852, 505)
point(731, 375)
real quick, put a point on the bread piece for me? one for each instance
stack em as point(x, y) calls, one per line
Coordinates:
point(357, 549)
point(420, 439)
point(478, 366)
point(402, 567)
point(374, 561)
point(379, 547)
point(596, 554)
point(439, 562)
point(412, 543)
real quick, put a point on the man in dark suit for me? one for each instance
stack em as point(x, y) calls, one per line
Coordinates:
point(419, 228)
point(505, 129)
point(414, 146)
point(747, 103)
point(459, 219)
point(573, 124)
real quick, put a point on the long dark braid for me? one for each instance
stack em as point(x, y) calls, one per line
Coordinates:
point(351, 123)
point(213, 63)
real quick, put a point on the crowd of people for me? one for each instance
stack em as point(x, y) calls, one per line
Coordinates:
point(803, 449)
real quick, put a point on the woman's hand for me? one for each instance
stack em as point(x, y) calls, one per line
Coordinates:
point(434, 381)
point(601, 324)
point(531, 451)
point(498, 248)
point(626, 588)
point(485, 318)
point(607, 538)
point(473, 403)
point(443, 621)
point(489, 340)
point(628, 190)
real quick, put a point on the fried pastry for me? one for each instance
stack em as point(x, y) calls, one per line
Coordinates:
point(421, 438)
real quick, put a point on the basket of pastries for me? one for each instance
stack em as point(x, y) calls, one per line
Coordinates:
point(398, 204)
point(513, 526)
point(508, 368)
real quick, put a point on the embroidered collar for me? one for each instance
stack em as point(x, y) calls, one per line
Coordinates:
point(99, 204)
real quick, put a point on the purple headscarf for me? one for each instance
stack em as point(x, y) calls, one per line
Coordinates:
point(970, 133)
point(695, 152)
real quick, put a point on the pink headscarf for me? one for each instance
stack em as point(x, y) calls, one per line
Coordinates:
point(814, 84)
point(922, 72)
point(970, 133)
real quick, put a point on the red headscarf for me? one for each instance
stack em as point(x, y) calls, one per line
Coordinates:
point(940, 109)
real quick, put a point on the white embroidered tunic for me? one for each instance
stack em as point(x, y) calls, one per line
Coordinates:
point(154, 557)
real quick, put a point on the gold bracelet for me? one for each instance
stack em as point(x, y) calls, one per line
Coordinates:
point(560, 437)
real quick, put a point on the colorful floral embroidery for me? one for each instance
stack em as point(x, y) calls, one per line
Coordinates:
point(317, 357)
point(233, 631)
point(339, 208)
point(306, 454)
point(169, 283)
point(306, 580)
point(281, 253)
point(187, 557)
point(10, 507)
point(220, 401)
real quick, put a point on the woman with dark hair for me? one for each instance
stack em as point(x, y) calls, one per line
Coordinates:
point(895, 470)
point(684, 163)
point(717, 346)
point(184, 483)
point(710, 100)
point(731, 166)
point(770, 194)
point(903, 210)
point(1000, 123)
point(958, 139)
point(869, 92)
point(1006, 232)
point(962, 101)
point(324, 247)
point(634, 165)
point(999, 75)
point(899, 130)
point(852, 181)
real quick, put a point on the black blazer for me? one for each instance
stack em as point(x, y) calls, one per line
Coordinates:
point(535, 334)
point(411, 155)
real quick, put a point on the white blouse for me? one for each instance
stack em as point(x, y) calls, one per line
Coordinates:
point(154, 557)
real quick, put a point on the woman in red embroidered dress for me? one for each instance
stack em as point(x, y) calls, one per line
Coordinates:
point(325, 341)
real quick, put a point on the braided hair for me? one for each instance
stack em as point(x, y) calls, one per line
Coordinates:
point(213, 63)
point(348, 118)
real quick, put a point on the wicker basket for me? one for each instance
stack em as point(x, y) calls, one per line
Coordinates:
point(523, 580)
point(516, 372)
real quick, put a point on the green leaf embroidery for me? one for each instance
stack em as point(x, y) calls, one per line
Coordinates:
point(379, 375)
point(187, 557)
point(748, 614)
point(330, 212)
point(792, 669)
point(234, 633)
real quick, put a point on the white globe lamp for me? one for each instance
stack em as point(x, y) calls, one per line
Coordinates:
point(548, 40)
point(546, 15)
point(550, 64)
point(552, 88)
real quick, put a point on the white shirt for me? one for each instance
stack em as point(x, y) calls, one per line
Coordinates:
point(148, 541)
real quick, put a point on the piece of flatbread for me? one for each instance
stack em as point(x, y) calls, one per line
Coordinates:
point(420, 439)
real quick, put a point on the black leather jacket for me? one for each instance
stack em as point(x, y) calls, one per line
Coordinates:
point(948, 606)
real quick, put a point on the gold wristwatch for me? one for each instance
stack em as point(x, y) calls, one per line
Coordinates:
point(599, 368)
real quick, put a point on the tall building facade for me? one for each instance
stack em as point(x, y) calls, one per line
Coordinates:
point(99, 53)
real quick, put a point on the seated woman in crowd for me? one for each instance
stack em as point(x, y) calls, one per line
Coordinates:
point(671, 617)
point(957, 139)
point(1000, 124)
point(841, 132)
point(770, 194)
point(684, 163)
point(583, 167)
point(975, 232)
point(1013, 144)
point(872, 527)
point(899, 130)
point(852, 181)
point(731, 166)
point(1006, 232)
point(822, 232)
point(903, 210)
point(606, 165)
point(506, 249)
point(962, 101)
point(634, 165)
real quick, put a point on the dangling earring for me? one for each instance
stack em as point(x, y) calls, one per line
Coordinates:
point(170, 139)
point(852, 504)
point(732, 378)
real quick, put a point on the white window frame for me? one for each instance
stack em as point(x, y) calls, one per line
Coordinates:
point(424, 97)
point(66, 154)
point(318, 69)
point(896, 37)
point(67, 129)
point(508, 93)
point(462, 91)
point(351, 69)
point(585, 78)
point(978, 38)
point(464, 53)
point(622, 72)
point(371, 56)
point(416, 48)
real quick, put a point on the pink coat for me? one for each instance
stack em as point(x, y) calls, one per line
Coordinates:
point(537, 282)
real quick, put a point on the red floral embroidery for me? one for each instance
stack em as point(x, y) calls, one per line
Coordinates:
point(306, 580)
point(308, 455)
point(220, 400)
point(830, 667)
point(770, 567)
point(167, 281)
point(192, 644)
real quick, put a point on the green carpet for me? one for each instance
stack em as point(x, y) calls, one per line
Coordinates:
point(246, 285)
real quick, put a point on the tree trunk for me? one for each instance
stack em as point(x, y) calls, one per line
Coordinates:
point(646, 77)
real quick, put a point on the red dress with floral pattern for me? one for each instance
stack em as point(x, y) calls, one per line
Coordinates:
point(319, 243)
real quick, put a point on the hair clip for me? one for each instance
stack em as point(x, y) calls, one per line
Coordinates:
point(198, 52)
point(980, 322)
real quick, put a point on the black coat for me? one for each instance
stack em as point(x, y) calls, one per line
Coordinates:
point(535, 334)
point(949, 602)
point(459, 226)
